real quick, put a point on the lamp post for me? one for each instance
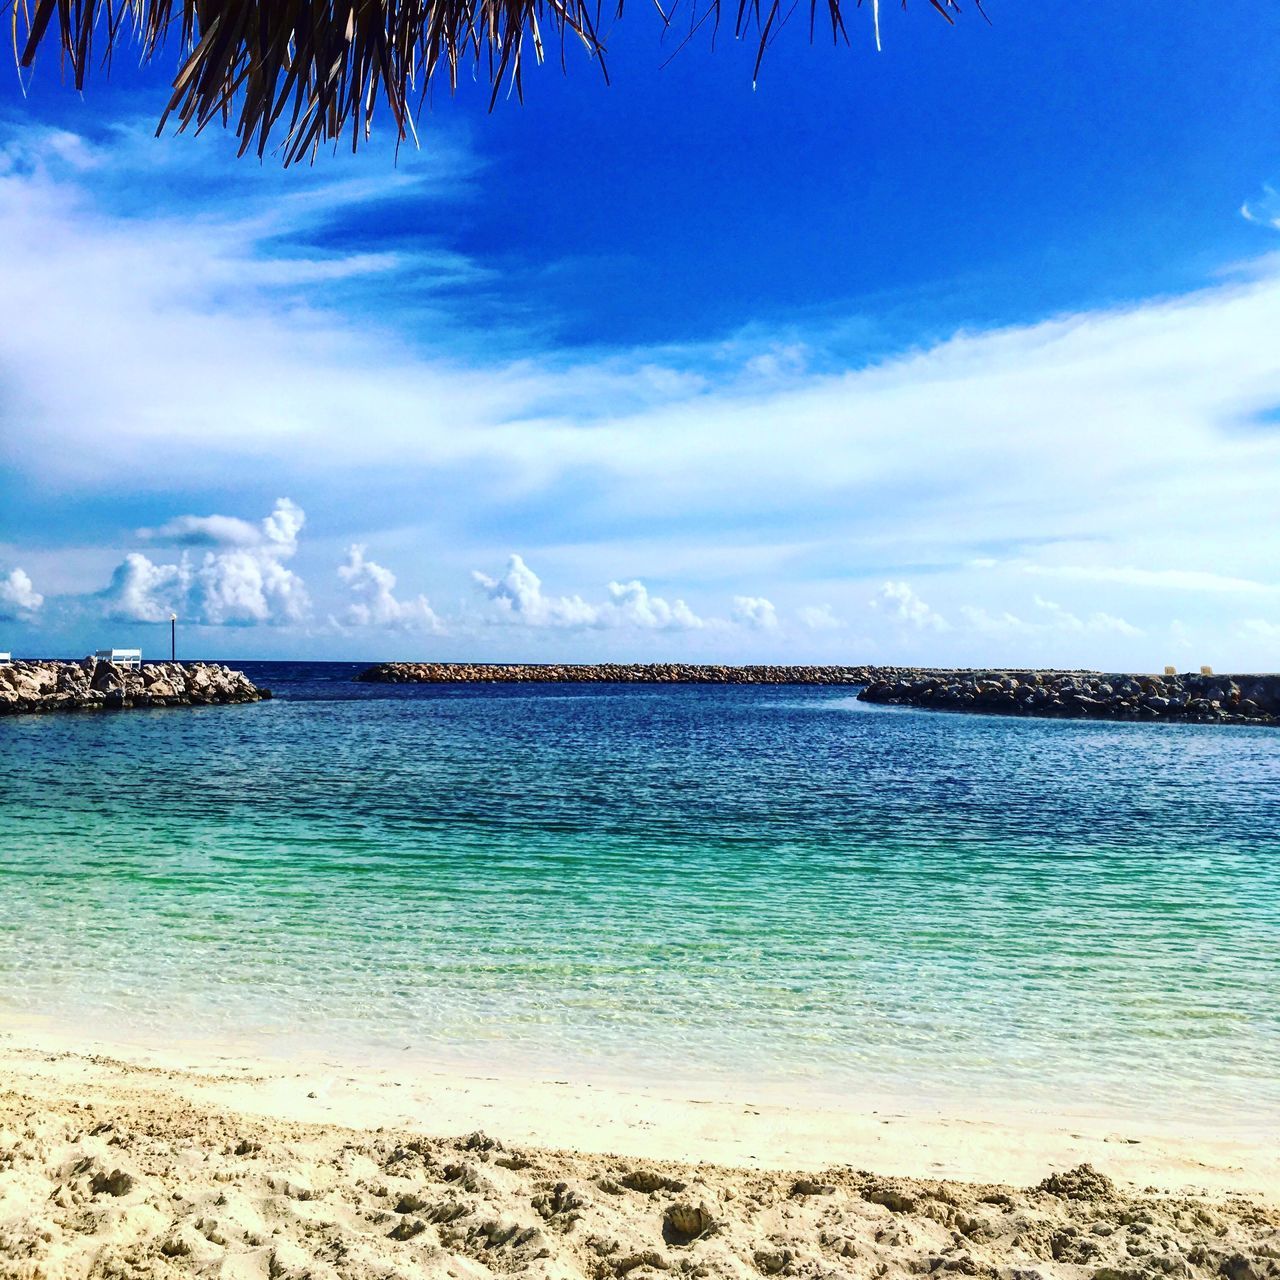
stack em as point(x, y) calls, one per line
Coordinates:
point(173, 637)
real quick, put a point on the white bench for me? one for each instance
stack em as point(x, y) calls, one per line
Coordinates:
point(129, 658)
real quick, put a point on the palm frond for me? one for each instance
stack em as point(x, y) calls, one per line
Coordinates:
point(317, 69)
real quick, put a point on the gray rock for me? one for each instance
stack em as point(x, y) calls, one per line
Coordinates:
point(1194, 698)
point(90, 685)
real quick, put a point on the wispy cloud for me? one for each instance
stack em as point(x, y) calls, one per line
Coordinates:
point(1261, 629)
point(1264, 210)
point(1163, 580)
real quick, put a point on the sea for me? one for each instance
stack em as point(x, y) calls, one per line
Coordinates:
point(765, 884)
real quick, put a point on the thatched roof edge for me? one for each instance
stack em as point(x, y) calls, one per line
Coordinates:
point(316, 69)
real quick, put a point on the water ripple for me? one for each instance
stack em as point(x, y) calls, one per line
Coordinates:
point(712, 880)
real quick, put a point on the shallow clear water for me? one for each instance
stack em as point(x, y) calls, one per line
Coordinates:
point(774, 883)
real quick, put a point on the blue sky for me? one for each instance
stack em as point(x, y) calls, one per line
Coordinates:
point(960, 352)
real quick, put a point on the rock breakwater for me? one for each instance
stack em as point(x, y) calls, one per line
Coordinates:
point(93, 685)
point(612, 673)
point(1086, 695)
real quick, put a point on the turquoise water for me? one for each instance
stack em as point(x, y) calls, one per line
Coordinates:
point(680, 882)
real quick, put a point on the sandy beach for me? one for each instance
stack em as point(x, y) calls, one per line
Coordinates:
point(132, 1160)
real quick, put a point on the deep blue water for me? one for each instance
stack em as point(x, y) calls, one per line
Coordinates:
point(768, 883)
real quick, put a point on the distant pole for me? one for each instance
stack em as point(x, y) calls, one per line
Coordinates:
point(173, 637)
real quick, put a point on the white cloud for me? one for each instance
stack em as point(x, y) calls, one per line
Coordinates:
point(375, 603)
point(518, 597)
point(281, 528)
point(241, 586)
point(1054, 621)
point(1260, 629)
point(630, 604)
point(277, 531)
point(1108, 622)
point(142, 591)
point(204, 531)
point(755, 612)
point(1004, 623)
point(819, 617)
point(1132, 406)
point(898, 600)
point(1063, 620)
point(1154, 579)
point(19, 599)
point(1265, 211)
point(781, 360)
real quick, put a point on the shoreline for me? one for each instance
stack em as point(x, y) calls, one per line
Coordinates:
point(737, 1124)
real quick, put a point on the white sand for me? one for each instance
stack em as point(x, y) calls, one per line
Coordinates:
point(294, 1164)
point(743, 1126)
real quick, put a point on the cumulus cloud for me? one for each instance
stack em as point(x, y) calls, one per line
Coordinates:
point(281, 528)
point(1053, 620)
point(819, 617)
point(244, 585)
point(898, 600)
point(517, 597)
point(630, 604)
point(755, 612)
point(19, 599)
point(142, 591)
point(993, 624)
point(1098, 622)
point(375, 603)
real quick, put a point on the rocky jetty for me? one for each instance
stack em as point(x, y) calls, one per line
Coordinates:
point(611, 673)
point(92, 684)
point(1086, 695)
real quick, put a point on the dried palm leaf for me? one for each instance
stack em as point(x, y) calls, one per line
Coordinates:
point(318, 68)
